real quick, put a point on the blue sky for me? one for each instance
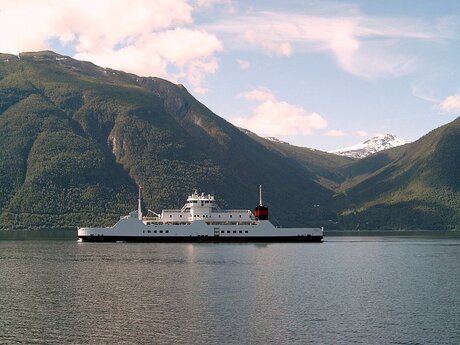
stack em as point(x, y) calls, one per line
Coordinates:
point(321, 74)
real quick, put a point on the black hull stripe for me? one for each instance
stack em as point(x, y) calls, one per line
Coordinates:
point(201, 239)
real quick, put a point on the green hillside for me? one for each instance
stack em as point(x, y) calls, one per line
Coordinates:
point(327, 167)
point(76, 140)
point(413, 186)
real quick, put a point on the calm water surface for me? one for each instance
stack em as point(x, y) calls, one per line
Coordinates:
point(347, 290)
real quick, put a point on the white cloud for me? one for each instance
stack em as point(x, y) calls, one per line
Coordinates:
point(97, 23)
point(336, 133)
point(243, 64)
point(258, 94)
point(140, 36)
point(273, 117)
point(162, 38)
point(369, 47)
point(196, 70)
point(423, 93)
point(191, 51)
point(361, 133)
point(228, 5)
point(182, 45)
point(451, 104)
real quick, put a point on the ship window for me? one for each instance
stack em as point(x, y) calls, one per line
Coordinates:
point(241, 231)
point(230, 216)
point(245, 231)
point(223, 231)
point(180, 216)
point(240, 215)
point(234, 231)
point(143, 231)
point(161, 231)
point(170, 216)
point(154, 231)
point(228, 231)
point(167, 231)
point(148, 231)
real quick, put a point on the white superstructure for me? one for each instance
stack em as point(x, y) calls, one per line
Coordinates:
point(200, 219)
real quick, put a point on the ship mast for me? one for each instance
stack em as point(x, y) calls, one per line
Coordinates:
point(139, 206)
point(260, 195)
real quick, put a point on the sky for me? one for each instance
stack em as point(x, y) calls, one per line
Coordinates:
point(320, 74)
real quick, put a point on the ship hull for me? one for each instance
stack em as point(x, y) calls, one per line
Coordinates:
point(190, 239)
point(135, 230)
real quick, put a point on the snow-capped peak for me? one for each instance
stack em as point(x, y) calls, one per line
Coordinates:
point(373, 145)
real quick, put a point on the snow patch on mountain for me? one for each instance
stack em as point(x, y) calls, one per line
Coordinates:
point(369, 147)
point(276, 140)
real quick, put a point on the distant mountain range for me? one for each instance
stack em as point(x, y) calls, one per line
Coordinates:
point(76, 140)
point(371, 146)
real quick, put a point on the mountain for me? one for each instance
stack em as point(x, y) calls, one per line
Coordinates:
point(411, 186)
point(76, 139)
point(371, 146)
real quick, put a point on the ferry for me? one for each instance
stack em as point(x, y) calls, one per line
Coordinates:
point(199, 220)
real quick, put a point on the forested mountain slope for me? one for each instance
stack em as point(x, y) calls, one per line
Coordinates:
point(413, 186)
point(76, 140)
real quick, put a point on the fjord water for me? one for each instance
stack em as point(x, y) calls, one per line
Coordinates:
point(347, 290)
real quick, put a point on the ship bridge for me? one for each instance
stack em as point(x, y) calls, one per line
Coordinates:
point(201, 200)
point(200, 206)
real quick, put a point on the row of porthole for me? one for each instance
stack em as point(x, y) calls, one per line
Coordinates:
point(204, 216)
point(155, 231)
point(234, 231)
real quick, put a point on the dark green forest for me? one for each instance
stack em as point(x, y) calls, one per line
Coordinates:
point(76, 140)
